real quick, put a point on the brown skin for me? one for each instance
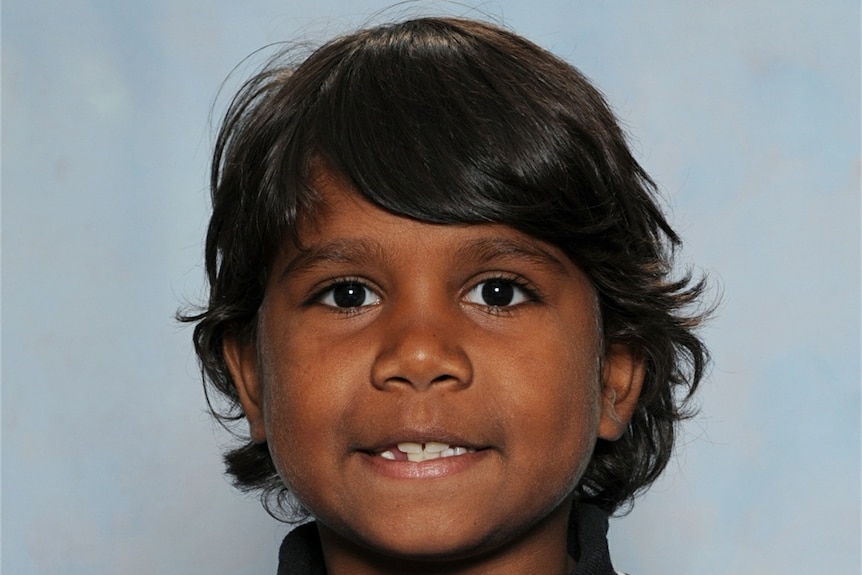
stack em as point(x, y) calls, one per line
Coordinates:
point(526, 382)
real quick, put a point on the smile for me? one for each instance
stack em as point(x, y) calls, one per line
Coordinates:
point(418, 452)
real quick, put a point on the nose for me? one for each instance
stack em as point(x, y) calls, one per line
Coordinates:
point(420, 350)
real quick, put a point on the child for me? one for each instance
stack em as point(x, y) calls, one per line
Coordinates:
point(440, 297)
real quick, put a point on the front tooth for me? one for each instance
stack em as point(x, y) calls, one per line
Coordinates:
point(418, 452)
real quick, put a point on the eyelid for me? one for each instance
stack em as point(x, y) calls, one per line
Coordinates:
point(328, 286)
point(530, 292)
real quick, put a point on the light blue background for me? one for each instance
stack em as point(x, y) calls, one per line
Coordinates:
point(746, 112)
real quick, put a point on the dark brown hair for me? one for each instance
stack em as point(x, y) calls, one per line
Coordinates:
point(453, 121)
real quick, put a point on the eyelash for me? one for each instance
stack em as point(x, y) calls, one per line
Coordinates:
point(529, 291)
point(329, 288)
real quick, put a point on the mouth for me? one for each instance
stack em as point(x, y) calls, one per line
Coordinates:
point(419, 452)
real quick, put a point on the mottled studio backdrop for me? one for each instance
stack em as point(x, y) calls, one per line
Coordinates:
point(746, 112)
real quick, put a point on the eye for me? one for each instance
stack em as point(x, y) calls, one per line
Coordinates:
point(348, 294)
point(499, 292)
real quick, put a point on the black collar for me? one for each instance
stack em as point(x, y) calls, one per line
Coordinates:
point(588, 541)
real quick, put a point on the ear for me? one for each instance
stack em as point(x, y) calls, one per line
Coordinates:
point(241, 360)
point(623, 374)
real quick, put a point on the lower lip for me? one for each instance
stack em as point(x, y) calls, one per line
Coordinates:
point(431, 469)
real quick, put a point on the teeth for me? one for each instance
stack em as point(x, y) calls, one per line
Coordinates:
point(434, 447)
point(418, 452)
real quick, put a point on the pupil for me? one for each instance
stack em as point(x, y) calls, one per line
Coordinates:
point(349, 295)
point(498, 293)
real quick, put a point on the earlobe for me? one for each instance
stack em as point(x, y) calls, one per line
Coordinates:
point(241, 360)
point(623, 374)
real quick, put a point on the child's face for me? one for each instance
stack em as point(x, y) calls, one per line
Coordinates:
point(385, 331)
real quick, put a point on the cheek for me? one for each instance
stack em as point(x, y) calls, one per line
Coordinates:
point(309, 395)
point(557, 410)
point(580, 421)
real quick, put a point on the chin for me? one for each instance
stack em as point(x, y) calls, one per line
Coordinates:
point(423, 540)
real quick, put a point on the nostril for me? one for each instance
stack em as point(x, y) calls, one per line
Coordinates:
point(443, 379)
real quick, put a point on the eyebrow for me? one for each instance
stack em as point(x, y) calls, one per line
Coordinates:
point(361, 252)
point(488, 250)
point(339, 251)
